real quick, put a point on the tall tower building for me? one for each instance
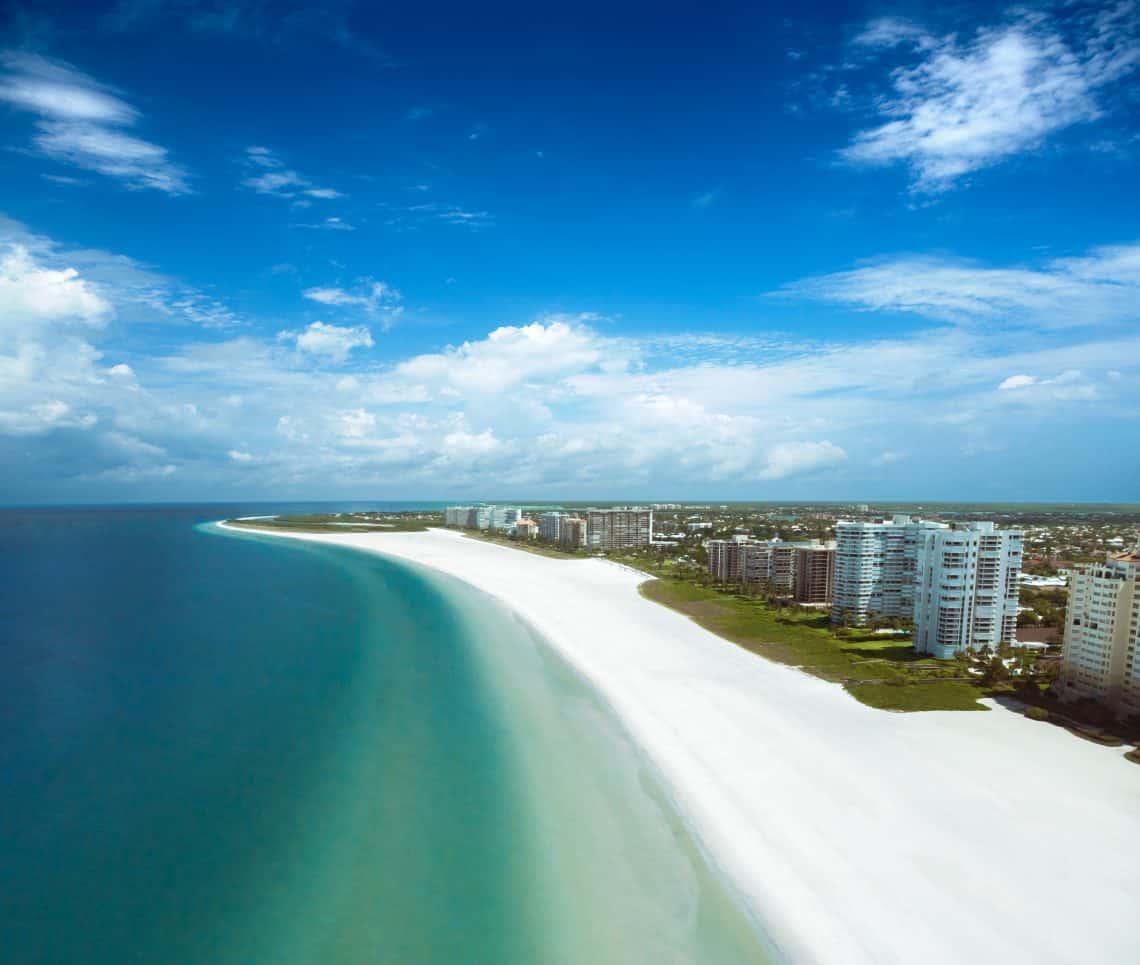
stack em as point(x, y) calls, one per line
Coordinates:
point(614, 529)
point(965, 588)
point(875, 567)
point(1102, 634)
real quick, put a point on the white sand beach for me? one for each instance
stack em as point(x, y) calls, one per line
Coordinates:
point(852, 834)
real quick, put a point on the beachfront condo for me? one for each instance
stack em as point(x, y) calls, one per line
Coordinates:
point(775, 564)
point(874, 568)
point(1102, 634)
point(550, 526)
point(966, 588)
point(814, 573)
point(572, 532)
point(618, 529)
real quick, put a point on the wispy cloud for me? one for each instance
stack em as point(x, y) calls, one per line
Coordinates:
point(377, 298)
point(1101, 286)
point(447, 213)
point(959, 105)
point(83, 123)
point(266, 173)
point(328, 224)
point(137, 291)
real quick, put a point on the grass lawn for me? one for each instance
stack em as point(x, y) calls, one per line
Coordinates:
point(879, 671)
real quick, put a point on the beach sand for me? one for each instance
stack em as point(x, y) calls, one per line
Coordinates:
point(851, 834)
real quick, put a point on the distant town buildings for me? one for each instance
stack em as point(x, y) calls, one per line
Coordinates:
point(600, 529)
point(966, 588)
point(874, 568)
point(526, 529)
point(1101, 658)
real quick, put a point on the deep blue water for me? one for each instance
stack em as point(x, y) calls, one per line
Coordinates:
point(245, 749)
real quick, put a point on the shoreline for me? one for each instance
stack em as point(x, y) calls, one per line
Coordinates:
point(849, 834)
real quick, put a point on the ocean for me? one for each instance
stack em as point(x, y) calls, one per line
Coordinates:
point(231, 748)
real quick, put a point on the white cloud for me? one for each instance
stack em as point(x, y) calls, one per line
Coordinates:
point(31, 295)
point(1016, 382)
point(559, 406)
point(329, 224)
point(332, 342)
point(960, 106)
point(1102, 286)
point(449, 214)
point(81, 123)
point(377, 298)
point(887, 457)
point(42, 417)
point(268, 174)
point(797, 458)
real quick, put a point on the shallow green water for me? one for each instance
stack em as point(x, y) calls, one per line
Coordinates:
point(239, 749)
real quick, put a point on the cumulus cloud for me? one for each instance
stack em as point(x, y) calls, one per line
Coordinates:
point(959, 105)
point(332, 342)
point(1016, 382)
point(796, 458)
point(557, 406)
point(83, 123)
point(31, 294)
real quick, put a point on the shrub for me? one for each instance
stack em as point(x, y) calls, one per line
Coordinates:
point(1036, 713)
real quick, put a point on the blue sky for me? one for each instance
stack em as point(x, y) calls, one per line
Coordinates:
point(853, 251)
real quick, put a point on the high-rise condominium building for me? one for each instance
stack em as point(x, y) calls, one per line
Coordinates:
point(874, 568)
point(727, 557)
point(814, 572)
point(965, 588)
point(503, 517)
point(572, 532)
point(456, 515)
point(775, 564)
point(1102, 634)
point(614, 529)
point(550, 526)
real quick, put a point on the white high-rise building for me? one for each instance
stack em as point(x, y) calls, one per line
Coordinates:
point(874, 568)
point(1102, 634)
point(550, 526)
point(965, 588)
point(503, 517)
point(456, 515)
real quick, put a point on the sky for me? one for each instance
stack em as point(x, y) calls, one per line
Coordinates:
point(272, 250)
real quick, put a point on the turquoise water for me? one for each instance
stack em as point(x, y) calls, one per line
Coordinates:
point(238, 749)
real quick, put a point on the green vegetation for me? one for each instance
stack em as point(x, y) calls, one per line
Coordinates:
point(882, 672)
point(345, 522)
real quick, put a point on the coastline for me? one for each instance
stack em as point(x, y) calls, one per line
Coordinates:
point(850, 834)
